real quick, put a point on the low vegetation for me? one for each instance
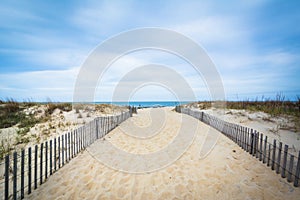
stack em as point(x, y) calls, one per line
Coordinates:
point(11, 113)
point(275, 107)
point(18, 114)
point(62, 106)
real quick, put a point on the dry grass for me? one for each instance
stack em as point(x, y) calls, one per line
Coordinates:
point(13, 113)
point(62, 106)
point(275, 107)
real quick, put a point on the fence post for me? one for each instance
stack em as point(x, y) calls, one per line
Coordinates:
point(66, 147)
point(265, 149)
point(22, 173)
point(51, 160)
point(101, 127)
point(80, 139)
point(256, 144)
point(239, 136)
point(130, 110)
point(97, 131)
point(279, 158)
point(107, 125)
point(260, 147)
point(72, 144)
point(251, 141)
point(85, 136)
point(76, 149)
point(29, 170)
point(15, 176)
point(46, 159)
point(59, 155)
point(6, 177)
point(35, 165)
point(245, 139)
point(55, 159)
point(296, 181)
point(269, 155)
point(286, 148)
point(62, 151)
point(69, 147)
point(290, 172)
point(41, 164)
point(273, 155)
point(75, 144)
point(236, 130)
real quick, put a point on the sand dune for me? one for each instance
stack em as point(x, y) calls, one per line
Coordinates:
point(226, 173)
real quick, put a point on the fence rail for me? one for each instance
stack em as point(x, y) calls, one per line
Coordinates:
point(24, 170)
point(275, 155)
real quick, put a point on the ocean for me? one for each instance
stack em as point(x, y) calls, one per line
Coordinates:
point(147, 104)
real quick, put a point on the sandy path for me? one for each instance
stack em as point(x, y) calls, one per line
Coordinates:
point(226, 173)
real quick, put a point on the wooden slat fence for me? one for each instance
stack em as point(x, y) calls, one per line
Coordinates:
point(24, 170)
point(276, 154)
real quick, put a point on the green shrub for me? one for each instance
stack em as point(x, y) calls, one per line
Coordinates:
point(4, 149)
point(62, 106)
point(23, 131)
point(28, 121)
point(21, 140)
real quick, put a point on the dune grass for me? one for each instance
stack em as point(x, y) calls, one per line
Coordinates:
point(11, 113)
point(275, 107)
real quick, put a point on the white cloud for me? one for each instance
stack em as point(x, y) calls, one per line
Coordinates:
point(38, 85)
point(280, 58)
point(100, 17)
point(214, 30)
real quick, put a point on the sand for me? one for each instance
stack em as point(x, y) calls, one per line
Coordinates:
point(227, 172)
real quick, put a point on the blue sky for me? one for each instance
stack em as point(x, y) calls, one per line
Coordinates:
point(255, 45)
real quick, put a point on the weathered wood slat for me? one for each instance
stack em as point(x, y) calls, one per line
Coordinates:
point(279, 158)
point(46, 159)
point(261, 147)
point(51, 157)
point(286, 148)
point(296, 181)
point(273, 155)
point(22, 172)
point(29, 170)
point(55, 155)
point(6, 181)
point(35, 165)
point(265, 149)
point(62, 151)
point(15, 169)
point(41, 163)
point(290, 172)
